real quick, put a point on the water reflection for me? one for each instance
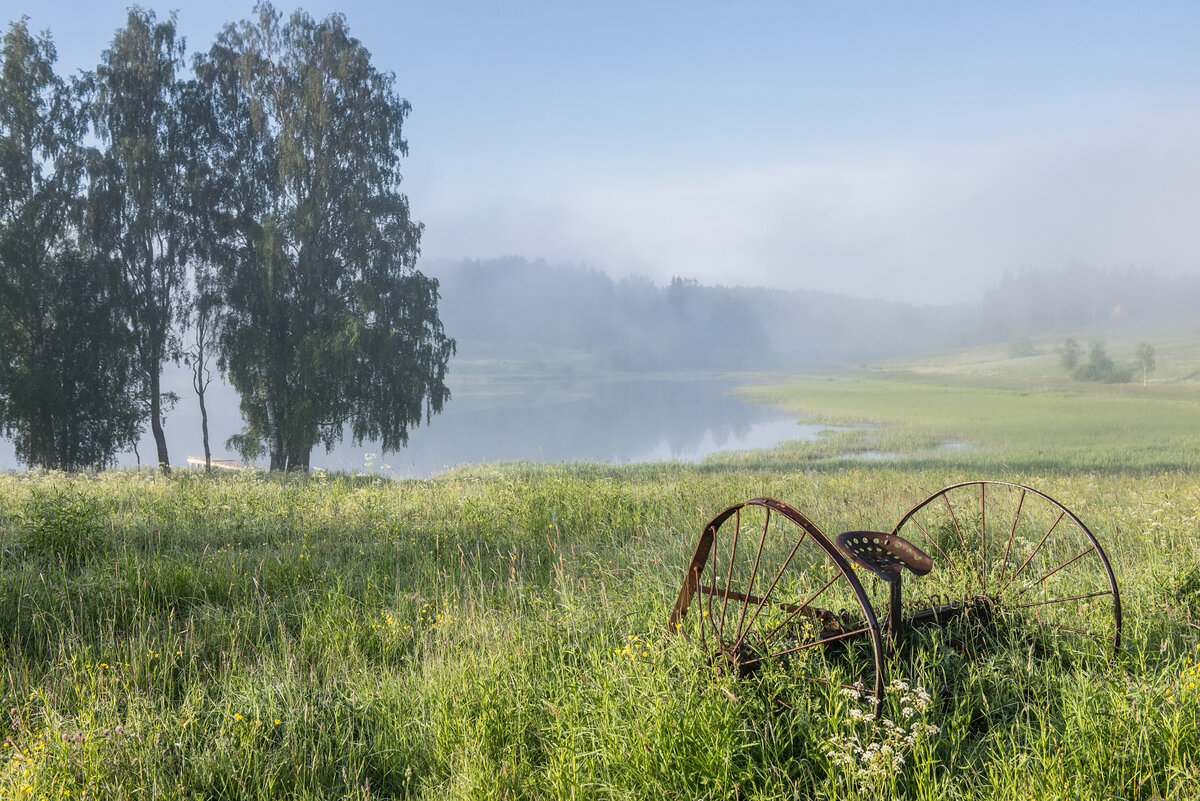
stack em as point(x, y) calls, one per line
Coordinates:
point(631, 419)
point(618, 421)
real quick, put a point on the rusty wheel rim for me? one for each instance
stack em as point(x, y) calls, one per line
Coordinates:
point(766, 584)
point(1032, 560)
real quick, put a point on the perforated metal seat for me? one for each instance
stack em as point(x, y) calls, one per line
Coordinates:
point(884, 554)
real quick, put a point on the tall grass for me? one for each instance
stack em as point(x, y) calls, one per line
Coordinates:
point(501, 633)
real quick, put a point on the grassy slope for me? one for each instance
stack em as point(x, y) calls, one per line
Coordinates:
point(499, 632)
point(1005, 413)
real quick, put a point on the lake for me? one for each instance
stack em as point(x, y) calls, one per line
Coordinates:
point(618, 419)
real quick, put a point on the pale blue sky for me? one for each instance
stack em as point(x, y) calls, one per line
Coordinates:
point(905, 150)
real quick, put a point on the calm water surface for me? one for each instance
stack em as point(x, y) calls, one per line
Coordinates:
point(620, 420)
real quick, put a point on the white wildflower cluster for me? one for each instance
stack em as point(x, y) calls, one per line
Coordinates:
point(873, 759)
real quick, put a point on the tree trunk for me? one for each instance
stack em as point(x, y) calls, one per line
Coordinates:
point(160, 439)
point(275, 441)
point(204, 431)
point(298, 459)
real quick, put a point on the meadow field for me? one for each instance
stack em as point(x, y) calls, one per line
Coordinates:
point(501, 631)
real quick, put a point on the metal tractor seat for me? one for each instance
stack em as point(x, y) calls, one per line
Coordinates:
point(886, 555)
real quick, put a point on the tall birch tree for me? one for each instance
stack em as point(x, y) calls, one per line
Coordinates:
point(65, 349)
point(327, 323)
point(143, 194)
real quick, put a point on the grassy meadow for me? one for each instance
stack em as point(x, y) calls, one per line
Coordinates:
point(501, 632)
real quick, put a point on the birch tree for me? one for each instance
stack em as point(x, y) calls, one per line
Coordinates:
point(327, 323)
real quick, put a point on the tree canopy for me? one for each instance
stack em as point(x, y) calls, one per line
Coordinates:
point(65, 366)
point(326, 321)
point(270, 181)
point(143, 192)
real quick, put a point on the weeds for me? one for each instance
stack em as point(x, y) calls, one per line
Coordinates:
point(500, 632)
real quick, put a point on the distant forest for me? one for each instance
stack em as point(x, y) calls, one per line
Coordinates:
point(513, 307)
point(1036, 302)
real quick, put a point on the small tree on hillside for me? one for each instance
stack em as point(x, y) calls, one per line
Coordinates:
point(1145, 359)
point(1100, 367)
point(1069, 354)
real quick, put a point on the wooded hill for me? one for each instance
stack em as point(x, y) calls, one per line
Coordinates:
point(513, 308)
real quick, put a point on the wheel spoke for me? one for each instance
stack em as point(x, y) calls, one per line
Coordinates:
point(1042, 541)
point(961, 538)
point(801, 609)
point(764, 586)
point(1062, 600)
point(775, 581)
point(713, 562)
point(703, 644)
point(1076, 558)
point(737, 527)
point(802, 646)
point(1012, 532)
point(750, 588)
point(934, 543)
point(983, 533)
point(1039, 548)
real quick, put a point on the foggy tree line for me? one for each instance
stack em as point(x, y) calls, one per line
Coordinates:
point(1034, 302)
point(1101, 367)
point(513, 305)
point(510, 306)
point(245, 211)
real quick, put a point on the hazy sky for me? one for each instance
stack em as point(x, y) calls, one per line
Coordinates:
point(902, 150)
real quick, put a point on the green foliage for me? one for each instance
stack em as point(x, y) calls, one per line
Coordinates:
point(499, 631)
point(1069, 354)
point(1021, 347)
point(61, 524)
point(143, 192)
point(1100, 367)
point(1181, 589)
point(1146, 360)
point(327, 321)
point(65, 349)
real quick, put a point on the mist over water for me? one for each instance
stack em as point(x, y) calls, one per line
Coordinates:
point(616, 420)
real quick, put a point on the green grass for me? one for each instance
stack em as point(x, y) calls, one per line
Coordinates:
point(979, 409)
point(500, 632)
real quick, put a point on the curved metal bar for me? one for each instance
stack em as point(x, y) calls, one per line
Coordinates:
point(1112, 580)
point(705, 555)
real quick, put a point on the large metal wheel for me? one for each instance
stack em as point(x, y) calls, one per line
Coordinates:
point(766, 584)
point(1008, 552)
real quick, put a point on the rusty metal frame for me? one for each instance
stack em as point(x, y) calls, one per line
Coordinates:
point(692, 588)
point(886, 555)
point(1064, 513)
